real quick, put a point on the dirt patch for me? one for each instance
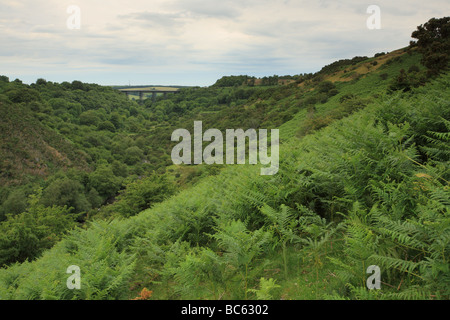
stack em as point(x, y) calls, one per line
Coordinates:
point(353, 72)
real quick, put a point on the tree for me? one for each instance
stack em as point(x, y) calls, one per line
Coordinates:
point(433, 41)
point(405, 81)
point(26, 235)
point(400, 82)
point(78, 85)
point(104, 181)
point(116, 119)
point(325, 86)
point(89, 117)
point(23, 94)
point(66, 192)
point(133, 155)
point(59, 103)
point(120, 169)
point(107, 125)
point(142, 194)
point(14, 204)
point(41, 82)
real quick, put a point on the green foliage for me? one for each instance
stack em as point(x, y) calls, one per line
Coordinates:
point(315, 121)
point(266, 287)
point(369, 188)
point(384, 76)
point(89, 117)
point(107, 125)
point(19, 94)
point(338, 65)
point(66, 192)
point(133, 155)
point(141, 195)
point(26, 235)
point(283, 226)
point(105, 267)
point(405, 81)
point(15, 203)
point(231, 81)
point(438, 146)
point(326, 86)
point(241, 247)
point(433, 41)
point(104, 181)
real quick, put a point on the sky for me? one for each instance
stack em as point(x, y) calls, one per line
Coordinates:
point(193, 42)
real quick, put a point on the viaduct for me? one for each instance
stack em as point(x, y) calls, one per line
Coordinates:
point(153, 90)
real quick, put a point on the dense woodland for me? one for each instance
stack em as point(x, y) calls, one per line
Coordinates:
point(86, 179)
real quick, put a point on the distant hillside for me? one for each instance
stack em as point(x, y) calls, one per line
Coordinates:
point(28, 148)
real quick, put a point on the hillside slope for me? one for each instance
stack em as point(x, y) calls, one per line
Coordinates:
point(30, 149)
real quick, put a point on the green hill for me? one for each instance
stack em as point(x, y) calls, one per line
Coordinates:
point(363, 181)
point(29, 148)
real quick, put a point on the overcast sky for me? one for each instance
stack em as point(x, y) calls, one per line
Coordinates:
point(195, 42)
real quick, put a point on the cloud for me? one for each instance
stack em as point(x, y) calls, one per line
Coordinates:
point(163, 21)
point(193, 41)
point(210, 9)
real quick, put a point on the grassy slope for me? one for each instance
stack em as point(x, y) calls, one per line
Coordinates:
point(30, 149)
point(120, 257)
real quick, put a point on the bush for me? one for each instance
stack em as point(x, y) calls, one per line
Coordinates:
point(66, 192)
point(325, 86)
point(413, 68)
point(133, 155)
point(347, 96)
point(433, 41)
point(107, 125)
point(15, 203)
point(23, 94)
point(141, 195)
point(104, 181)
point(89, 117)
point(311, 100)
point(26, 235)
point(333, 92)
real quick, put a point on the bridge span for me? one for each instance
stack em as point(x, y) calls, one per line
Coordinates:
point(153, 90)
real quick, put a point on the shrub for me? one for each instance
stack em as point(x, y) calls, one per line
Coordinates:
point(26, 235)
